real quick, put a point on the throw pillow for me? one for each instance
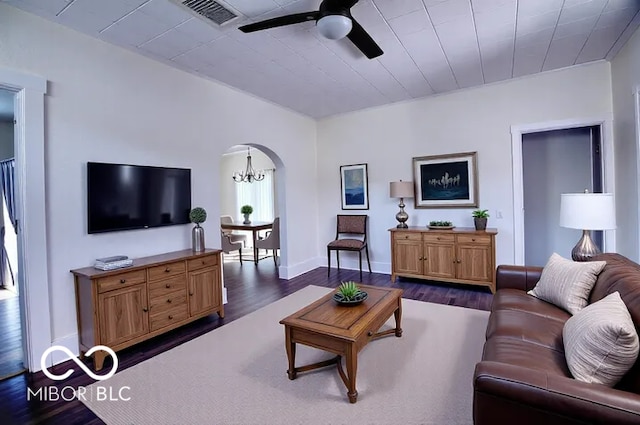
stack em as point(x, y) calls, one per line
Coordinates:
point(567, 284)
point(601, 342)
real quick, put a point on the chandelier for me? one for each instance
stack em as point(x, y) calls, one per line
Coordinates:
point(249, 175)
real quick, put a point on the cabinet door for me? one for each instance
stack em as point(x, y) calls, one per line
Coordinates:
point(204, 290)
point(123, 314)
point(407, 257)
point(475, 263)
point(439, 260)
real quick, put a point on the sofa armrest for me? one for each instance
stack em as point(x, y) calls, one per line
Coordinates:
point(505, 393)
point(517, 277)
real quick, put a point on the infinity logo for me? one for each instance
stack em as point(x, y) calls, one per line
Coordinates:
point(78, 362)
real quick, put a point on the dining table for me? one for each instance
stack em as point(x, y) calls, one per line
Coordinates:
point(254, 227)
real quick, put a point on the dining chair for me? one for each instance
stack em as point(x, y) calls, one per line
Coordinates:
point(351, 235)
point(233, 236)
point(228, 245)
point(271, 239)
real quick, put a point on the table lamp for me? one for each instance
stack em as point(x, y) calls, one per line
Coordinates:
point(401, 190)
point(587, 211)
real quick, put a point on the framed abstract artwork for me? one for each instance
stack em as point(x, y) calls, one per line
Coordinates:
point(446, 181)
point(354, 187)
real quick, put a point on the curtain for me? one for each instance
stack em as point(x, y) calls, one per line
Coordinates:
point(7, 173)
point(259, 195)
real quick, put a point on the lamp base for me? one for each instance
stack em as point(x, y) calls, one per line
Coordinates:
point(585, 248)
point(402, 216)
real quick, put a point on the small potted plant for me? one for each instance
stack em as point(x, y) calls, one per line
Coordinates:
point(349, 294)
point(197, 215)
point(439, 224)
point(246, 210)
point(480, 219)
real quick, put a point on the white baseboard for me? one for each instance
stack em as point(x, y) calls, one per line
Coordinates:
point(56, 357)
point(297, 269)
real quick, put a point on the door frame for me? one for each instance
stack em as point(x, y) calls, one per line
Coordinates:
point(608, 177)
point(33, 271)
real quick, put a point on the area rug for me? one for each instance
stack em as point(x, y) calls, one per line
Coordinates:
point(236, 374)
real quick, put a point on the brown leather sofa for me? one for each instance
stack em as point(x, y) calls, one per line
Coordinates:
point(523, 378)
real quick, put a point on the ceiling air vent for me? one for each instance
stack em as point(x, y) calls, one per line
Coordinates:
point(214, 11)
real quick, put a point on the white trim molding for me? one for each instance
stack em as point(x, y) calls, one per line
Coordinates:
point(517, 131)
point(33, 274)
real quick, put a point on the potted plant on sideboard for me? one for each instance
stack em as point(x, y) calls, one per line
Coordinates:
point(197, 215)
point(246, 210)
point(480, 219)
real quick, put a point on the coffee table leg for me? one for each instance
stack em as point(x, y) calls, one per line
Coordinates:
point(352, 368)
point(398, 316)
point(291, 353)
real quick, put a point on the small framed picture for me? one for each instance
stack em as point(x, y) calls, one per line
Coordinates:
point(446, 181)
point(354, 183)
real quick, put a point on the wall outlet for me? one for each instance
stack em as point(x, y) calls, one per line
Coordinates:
point(498, 214)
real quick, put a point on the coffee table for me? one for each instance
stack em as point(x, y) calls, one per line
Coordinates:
point(342, 330)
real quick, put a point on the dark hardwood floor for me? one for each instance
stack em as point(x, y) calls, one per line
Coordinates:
point(10, 336)
point(249, 288)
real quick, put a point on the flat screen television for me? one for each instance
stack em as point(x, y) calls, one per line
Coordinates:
point(125, 197)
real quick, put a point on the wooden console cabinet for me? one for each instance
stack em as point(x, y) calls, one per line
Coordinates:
point(119, 308)
point(459, 255)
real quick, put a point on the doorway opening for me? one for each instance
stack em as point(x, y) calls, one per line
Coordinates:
point(12, 359)
point(549, 159)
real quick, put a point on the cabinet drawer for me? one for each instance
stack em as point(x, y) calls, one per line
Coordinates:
point(407, 236)
point(198, 263)
point(438, 237)
point(166, 318)
point(163, 287)
point(166, 270)
point(121, 280)
point(168, 301)
point(475, 239)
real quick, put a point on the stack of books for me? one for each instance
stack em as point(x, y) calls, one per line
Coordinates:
point(111, 263)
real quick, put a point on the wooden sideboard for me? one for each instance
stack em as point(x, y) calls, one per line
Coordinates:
point(459, 255)
point(120, 308)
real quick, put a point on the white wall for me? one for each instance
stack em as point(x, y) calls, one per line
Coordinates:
point(477, 119)
point(107, 104)
point(625, 79)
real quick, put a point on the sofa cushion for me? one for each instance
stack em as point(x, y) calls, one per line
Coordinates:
point(567, 284)
point(515, 299)
point(527, 354)
point(601, 342)
point(526, 327)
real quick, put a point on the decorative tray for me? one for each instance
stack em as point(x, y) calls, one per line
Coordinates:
point(440, 227)
point(359, 297)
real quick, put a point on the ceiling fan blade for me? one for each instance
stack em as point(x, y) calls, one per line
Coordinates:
point(280, 21)
point(363, 41)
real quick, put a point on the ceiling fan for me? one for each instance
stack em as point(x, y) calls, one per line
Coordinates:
point(333, 20)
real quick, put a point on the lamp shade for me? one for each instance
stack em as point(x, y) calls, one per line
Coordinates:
point(587, 211)
point(401, 189)
point(334, 27)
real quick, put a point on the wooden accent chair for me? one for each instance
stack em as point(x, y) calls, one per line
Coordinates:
point(351, 235)
point(271, 239)
point(228, 245)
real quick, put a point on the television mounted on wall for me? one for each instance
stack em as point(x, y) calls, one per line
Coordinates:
point(126, 197)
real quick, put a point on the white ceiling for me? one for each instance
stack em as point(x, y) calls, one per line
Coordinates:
point(430, 46)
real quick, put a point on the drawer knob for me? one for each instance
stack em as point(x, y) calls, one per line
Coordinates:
point(420, 259)
point(459, 261)
point(406, 236)
point(145, 309)
point(369, 333)
point(167, 286)
point(167, 270)
point(169, 300)
point(438, 238)
point(123, 280)
point(473, 239)
point(191, 294)
point(170, 317)
point(203, 262)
